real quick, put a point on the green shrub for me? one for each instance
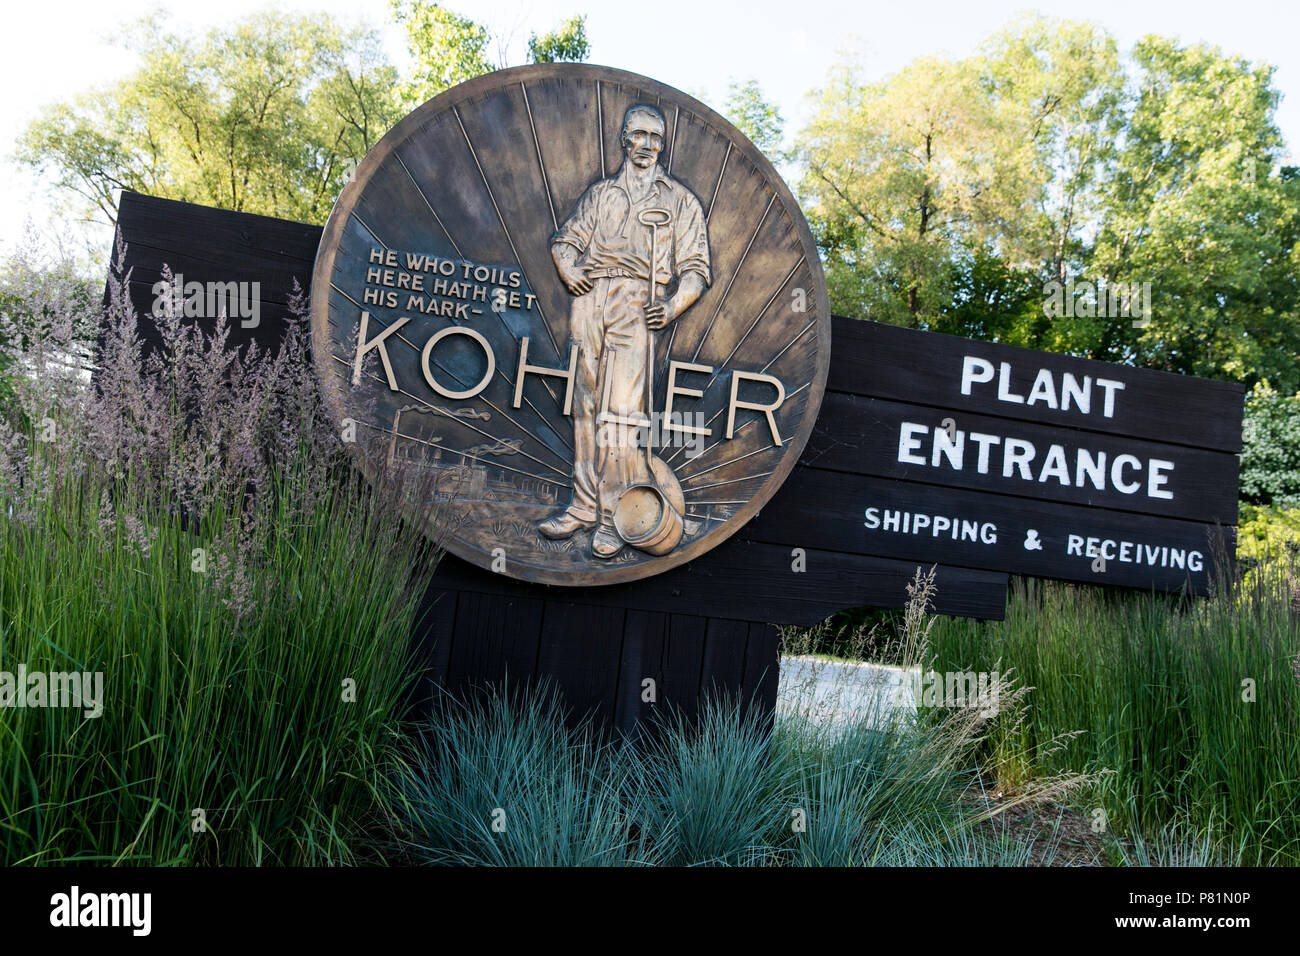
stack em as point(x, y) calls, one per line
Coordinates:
point(1268, 537)
point(500, 779)
point(1270, 455)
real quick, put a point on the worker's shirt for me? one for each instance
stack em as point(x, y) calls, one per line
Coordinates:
point(604, 227)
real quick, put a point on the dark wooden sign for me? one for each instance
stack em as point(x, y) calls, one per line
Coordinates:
point(980, 459)
point(932, 447)
point(709, 623)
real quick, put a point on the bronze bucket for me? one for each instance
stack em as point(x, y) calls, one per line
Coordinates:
point(647, 520)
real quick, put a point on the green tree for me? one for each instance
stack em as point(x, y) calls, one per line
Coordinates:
point(756, 116)
point(944, 193)
point(446, 48)
point(1064, 84)
point(1199, 207)
point(567, 43)
point(267, 117)
point(1270, 454)
point(270, 115)
point(907, 178)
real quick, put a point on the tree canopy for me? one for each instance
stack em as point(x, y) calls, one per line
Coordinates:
point(964, 195)
point(1270, 456)
point(269, 115)
point(756, 116)
point(446, 48)
point(567, 43)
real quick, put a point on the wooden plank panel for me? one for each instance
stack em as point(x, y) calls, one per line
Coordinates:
point(863, 436)
point(645, 636)
point(216, 243)
point(759, 682)
point(885, 361)
point(831, 508)
point(724, 658)
point(667, 649)
point(748, 580)
point(683, 663)
point(432, 636)
point(496, 637)
point(268, 333)
point(581, 646)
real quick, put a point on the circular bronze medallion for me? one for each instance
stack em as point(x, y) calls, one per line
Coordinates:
point(584, 310)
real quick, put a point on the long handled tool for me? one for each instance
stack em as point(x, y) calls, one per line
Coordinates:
point(649, 516)
point(654, 218)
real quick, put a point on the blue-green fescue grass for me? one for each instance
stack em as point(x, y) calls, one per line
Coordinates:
point(868, 789)
point(713, 788)
point(504, 779)
point(1178, 846)
point(946, 844)
point(500, 779)
point(1192, 704)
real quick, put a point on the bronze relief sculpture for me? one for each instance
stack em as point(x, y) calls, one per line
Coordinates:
point(609, 256)
point(585, 308)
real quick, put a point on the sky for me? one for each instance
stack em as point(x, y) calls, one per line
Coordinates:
point(65, 47)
